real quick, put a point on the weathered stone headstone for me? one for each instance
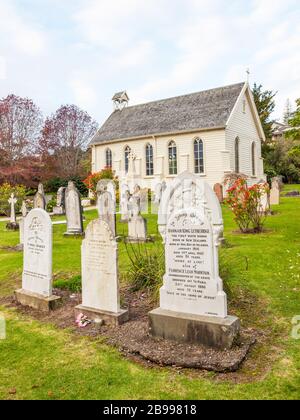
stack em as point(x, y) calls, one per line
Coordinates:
point(24, 212)
point(12, 225)
point(73, 211)
point(124, 203)
point(193, 304)
point(100, 283)
point(106, 206)
point(264, 205)
point(36, 289)
point(218, 189)
point(137, 225)
point(39, 201)
point(24, 209)
point(275, 193)
point(59, 209)
point(12, 201)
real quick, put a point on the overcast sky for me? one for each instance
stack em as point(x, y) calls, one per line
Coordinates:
point(83, 51)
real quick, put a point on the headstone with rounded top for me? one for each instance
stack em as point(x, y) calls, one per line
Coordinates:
point(193, 304)
point(100, 282)
point(73, 211)
point(36, 289)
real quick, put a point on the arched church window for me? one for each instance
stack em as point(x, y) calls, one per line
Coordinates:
point(149, 160)
point(172, 158)
point(199, 156)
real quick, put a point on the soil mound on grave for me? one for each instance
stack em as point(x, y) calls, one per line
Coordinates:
point(133, 339)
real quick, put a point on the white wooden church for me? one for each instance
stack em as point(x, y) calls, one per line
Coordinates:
point(210, 133)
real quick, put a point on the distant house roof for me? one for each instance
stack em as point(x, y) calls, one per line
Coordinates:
point(208, 109)
point(278, 129)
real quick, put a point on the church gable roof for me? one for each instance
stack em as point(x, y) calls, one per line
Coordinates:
point(208, 109)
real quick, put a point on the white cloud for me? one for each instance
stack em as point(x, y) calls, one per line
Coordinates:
point(18, 32)
point(3, 70)
point(84, 93)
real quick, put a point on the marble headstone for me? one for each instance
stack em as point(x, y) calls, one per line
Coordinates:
point(124, 202)
point(24, 212)
point(39, 201)
point(37, 262)
point(192, 298)
point(60, 201)
point(13, 201)
point(137, 225)
point(73, 211)
point(106, 207)
point(100, 283)
point(275, 192)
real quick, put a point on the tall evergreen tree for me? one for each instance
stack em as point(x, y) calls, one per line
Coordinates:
point(265, 103)
point(287, 113)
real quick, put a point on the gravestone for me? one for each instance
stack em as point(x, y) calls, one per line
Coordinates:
point(137, 225)
point(106, 207)
point(39, 201)
point(100, 283)
point(264, 205)
point(59, 209)
point(275, 193)
point(218, 189)
point(12, 225)
point(36, 289)
point(73, 211)
point(124, 202)
point(24, 212)
point(193, 304)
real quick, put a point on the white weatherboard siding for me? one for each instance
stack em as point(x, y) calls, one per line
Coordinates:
point(214, 145)
point(242, 125)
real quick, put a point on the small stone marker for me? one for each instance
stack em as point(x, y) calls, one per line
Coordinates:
point(59, 209)
point(39, 201)
point(193, 305)
point(73, 211)
point(36, 289)
point(100, 283)
point(218, 189)
point(275, 193)
point(137, 225)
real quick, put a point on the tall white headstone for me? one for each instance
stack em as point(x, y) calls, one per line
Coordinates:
point(275, 193)
point(60, 201)
point(106, 206)
point(124, 202)
point(39, 201)
point(192, 296)
point(37, 262)
point(73, 211)
point(100, 283)
point(12, 201)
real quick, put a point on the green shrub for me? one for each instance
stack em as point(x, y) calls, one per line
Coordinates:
point(51, 204)
point(73, 284)
point(53, 184)
point(147, 267)
point(5, 192)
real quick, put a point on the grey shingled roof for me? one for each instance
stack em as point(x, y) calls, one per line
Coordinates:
point(207, 109)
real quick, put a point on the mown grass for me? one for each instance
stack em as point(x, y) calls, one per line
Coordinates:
point(39, 361)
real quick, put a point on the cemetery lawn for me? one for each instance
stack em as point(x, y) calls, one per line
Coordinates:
point(262, 273)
